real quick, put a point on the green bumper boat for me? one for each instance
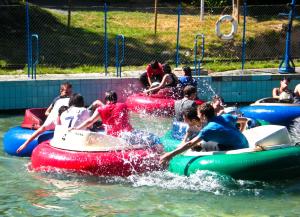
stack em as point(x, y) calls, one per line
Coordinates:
point(271, 156)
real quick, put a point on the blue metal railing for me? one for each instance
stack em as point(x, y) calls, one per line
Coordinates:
point(119, 61)
point(197, 62)
point(105, 39)
point(244, 36)
point(34, 60)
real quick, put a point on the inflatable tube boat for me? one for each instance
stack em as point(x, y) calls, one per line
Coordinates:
point(152, 104)
point(91, 153)
point(270, 156)
point(16, 136)
point(271, 110)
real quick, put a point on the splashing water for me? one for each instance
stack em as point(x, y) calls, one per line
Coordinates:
point(295, 131)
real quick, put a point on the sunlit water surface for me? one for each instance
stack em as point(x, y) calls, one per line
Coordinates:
point(25, 193)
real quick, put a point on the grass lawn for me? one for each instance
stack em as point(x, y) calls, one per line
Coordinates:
point(80, 49)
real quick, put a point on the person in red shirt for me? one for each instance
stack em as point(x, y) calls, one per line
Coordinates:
point(154, 73)
point(114, 115)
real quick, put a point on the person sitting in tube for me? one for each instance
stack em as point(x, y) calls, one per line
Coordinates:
point(219, 133)
point(283, 93)
point(49, 126)
point(154, 73)
point(297, 94)
point(114, 115)
point(187, 78)
point(218, 104)
point(189, 95)
point(65, 92)
point(68, 116)
point(169, 80)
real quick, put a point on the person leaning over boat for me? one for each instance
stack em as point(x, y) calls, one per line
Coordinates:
point(48, 126)
point(154, 73)
point(220, 133)
point(297, 94)
point(168, 85)
point(114, 115)
point(283, 93)
point(65, 92)
point(189, 95)
point(76, 113)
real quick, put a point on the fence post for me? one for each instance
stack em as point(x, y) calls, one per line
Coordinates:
point(287, 65)
point(118, 61)
point(244, 36)
point(34, 64)
point(178, 33)
point(105, 39)
point(29, 57)
point(197, 63)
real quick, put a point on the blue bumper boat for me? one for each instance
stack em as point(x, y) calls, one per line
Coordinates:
point(16, 136)
point(273, 111)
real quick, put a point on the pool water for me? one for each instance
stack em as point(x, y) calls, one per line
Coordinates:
point(25, 193)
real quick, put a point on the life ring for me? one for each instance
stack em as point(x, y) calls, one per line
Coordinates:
point(234, 26)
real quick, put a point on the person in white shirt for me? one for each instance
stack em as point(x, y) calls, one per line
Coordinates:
point(76, 113)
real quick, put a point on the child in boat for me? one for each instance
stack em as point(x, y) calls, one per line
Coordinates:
point(65, 92)
point(190, 117)
point(221, 131)
point(76, 113)
point(283, 93)
point(190, 94)
point(154, 73)
point(43, 128)
point(114, 115)
point(217, 103)
point(187, 78)
point(168, 86)
point(297, 94)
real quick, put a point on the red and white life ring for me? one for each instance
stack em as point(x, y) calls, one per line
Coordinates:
point(234, 26)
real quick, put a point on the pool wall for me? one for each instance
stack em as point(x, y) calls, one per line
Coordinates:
point(20, 94)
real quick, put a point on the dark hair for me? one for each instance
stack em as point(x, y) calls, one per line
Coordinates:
point(76, 100)
point(189, 90)
point(187, 71)
point(191, 114)
point(286, 78)
point(154, 64)
point(207, 110)
point(111, 96)
point(62, 109)
point(167, 69)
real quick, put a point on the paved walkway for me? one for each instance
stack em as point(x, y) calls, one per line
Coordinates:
point(135, 74)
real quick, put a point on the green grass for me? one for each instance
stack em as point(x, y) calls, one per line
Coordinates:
point(80, 48)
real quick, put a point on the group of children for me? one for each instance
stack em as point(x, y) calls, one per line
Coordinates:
point(68, 110)
point(210, 128)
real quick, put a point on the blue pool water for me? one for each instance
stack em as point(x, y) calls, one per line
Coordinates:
point(25, 193)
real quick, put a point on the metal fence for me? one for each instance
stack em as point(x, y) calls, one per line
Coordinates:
point(80, 39)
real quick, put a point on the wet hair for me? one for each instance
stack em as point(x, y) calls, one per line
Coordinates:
point(62, 109)
point(111, 96)
point(191, 114)
point(189, 90)
point(207, 110)
point(187, 71)
point(76, 100)
point(154, 64)
point(167, 69)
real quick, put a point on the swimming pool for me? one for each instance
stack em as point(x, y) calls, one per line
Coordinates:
point(24, 193)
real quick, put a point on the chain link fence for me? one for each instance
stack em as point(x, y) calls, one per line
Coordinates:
point(79, 39)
